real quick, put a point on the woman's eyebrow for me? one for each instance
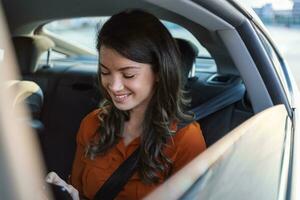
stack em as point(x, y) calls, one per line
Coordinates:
point(103, 66)
point(128, 67)
point(122, 68)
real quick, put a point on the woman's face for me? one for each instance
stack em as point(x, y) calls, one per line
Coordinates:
point(129, 84)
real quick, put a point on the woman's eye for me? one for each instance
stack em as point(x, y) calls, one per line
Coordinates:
point(129, 75)
point(104, 73)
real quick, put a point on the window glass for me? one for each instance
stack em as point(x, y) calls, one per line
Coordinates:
point(178, 31)
point(82, 33)
point(78, 31)
point(53, 56)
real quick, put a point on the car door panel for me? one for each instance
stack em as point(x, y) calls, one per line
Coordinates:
point(248, 157)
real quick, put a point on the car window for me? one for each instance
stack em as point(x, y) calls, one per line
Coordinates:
point(276, 61)
point(78, 31)
point(82, 33)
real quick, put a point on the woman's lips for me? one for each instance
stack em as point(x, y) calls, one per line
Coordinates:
point(121, 98)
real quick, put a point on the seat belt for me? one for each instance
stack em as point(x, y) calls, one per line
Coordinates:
point(115, 183)
point(226, 98)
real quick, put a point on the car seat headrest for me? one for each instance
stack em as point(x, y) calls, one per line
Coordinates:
point(29, 49)
point(188, 52)
point(29, 93)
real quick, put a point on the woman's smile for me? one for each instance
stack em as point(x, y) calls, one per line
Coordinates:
point(120, 98)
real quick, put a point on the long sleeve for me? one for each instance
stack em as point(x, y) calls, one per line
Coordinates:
point(85, 133)
point(78, 165)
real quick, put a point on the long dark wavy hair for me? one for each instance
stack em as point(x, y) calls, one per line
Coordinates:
point(141, 37)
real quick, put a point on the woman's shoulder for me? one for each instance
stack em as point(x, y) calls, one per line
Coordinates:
point(92, 116)
point(191, 128)
point(88, 127)
point(190, 135)
point(189, 143)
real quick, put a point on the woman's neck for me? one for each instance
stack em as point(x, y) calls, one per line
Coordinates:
point(134, 127)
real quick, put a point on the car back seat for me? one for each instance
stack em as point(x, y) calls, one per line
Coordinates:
point(70, 93)
point(208, 90)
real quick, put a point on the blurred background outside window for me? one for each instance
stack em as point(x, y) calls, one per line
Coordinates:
point(282, 19)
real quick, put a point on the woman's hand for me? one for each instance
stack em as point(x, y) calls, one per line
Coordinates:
point(53, 178)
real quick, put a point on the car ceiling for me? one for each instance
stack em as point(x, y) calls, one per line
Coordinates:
point(23, 17)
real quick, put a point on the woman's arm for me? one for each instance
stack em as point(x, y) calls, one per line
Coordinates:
point(77, 169)
point(78, 164)
point(85, 133)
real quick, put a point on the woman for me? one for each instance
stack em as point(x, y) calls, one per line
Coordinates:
point(139, 75)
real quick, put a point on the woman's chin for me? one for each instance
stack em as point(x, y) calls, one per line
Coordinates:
point(123, 107)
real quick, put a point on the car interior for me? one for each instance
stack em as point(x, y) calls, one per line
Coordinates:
point(68, 87)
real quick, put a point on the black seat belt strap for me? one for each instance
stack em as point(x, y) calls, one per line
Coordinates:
point(115, 183)
point(219, 102)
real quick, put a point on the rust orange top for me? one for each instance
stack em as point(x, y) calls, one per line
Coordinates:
point(89, 175)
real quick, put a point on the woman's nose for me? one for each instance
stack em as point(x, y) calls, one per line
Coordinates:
point(115, 84)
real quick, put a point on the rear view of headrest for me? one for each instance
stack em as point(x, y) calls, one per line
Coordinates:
point(29, 93)
point(29, 49)
point(188, 52)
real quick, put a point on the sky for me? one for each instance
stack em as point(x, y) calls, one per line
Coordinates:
point(277, 4)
